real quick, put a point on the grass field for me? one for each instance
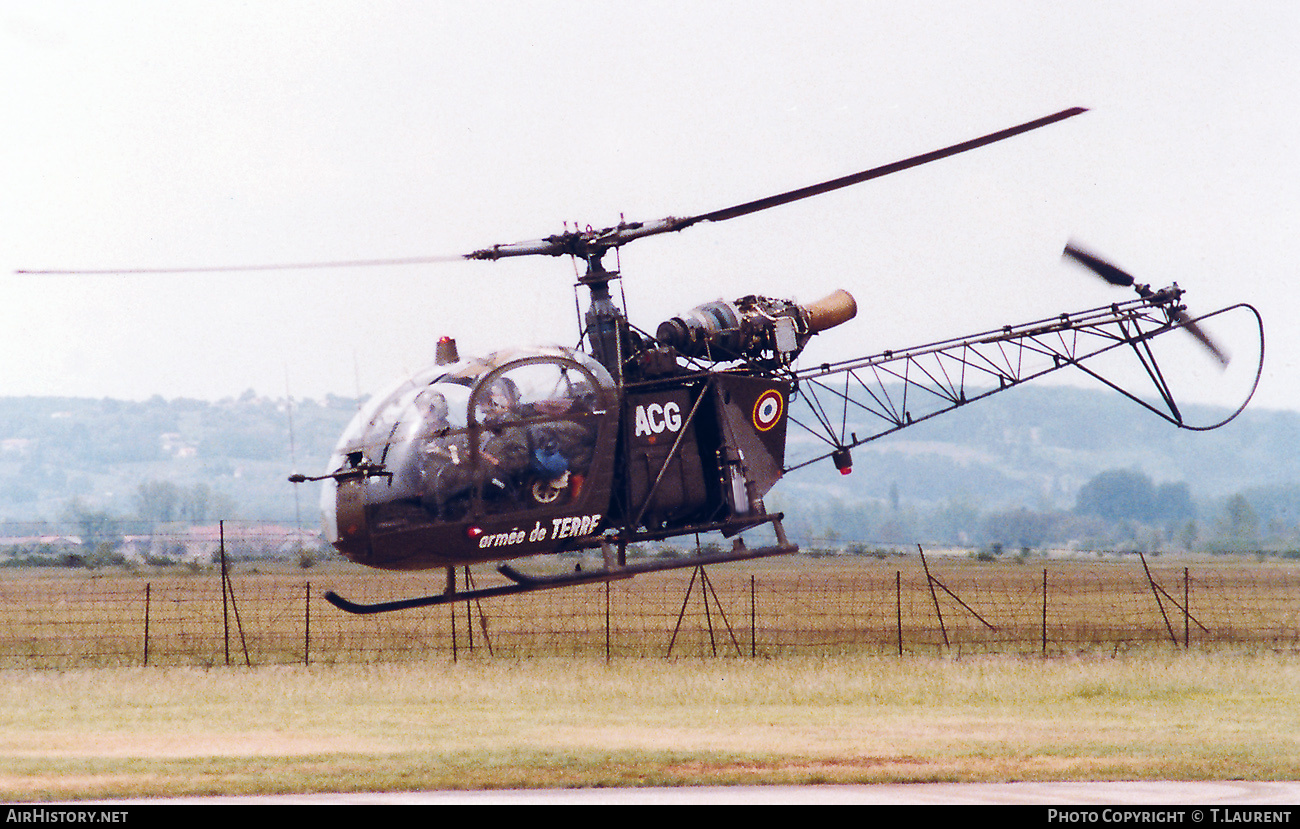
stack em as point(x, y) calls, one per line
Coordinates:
point(66, 619)
point(572, 688)
point(582, 722)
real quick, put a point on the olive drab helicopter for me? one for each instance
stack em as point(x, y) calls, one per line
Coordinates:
point(640, 437)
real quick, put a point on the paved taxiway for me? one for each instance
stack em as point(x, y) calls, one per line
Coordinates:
point(1162, 793)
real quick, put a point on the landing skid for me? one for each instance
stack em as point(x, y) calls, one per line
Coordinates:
point(525, 583)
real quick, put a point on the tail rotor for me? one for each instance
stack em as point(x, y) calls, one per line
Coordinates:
point(1177, 313)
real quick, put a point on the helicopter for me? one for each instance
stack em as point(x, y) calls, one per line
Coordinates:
point(636, 436)
point(640, 436)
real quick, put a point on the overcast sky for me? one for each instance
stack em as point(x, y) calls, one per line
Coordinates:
point(153, 135)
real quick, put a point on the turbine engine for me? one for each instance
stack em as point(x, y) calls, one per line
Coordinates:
point(754, 328)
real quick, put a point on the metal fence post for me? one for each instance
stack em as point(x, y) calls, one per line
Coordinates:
point(146, 623)
point(225, 605)
point(753, 619)
point(898, 607)
point(1044, 611)
point(306, 627)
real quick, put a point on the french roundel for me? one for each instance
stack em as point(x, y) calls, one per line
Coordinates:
point(768, 410)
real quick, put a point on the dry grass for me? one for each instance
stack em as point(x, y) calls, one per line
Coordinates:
point(398, 702)
point(848, 605)
point(496, 723)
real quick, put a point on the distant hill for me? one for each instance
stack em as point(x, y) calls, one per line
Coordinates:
point(101, 451)
point(1031, 448)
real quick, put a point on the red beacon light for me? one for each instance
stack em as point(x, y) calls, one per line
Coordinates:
point(446, 352)
point(843, 461)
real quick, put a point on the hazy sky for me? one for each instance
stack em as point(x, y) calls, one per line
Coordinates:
point(147, 135)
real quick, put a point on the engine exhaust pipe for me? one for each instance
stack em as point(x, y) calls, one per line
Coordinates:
point(830, 311)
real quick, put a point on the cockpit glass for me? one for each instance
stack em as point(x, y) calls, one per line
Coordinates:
point(487, 436)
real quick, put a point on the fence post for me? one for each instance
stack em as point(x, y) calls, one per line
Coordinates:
point(1044, 611)
point(1187, 611)
point(225, 606)
point(469, 613)
point(935, 596)
point(898, 607)
point(753, 619)
point(146, 624)
point(1155, 591)
point(451, 588)
point(228, 590)
point(306, 627)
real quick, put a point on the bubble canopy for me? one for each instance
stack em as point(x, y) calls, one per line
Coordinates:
point(510, 432)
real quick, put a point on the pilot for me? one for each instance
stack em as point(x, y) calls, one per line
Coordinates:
point(528, 447)
point(443, 456)
point(548, 461)
point(498, 402)
point(504, 452)
point(432, 407)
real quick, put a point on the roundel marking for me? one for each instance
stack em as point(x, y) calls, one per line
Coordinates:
point(768, 410)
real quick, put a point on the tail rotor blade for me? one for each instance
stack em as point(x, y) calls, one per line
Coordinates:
point(1105, 270)
point(1199, 333)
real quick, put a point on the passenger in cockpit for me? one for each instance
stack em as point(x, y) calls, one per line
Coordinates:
point(503, 442)
point(524, 451)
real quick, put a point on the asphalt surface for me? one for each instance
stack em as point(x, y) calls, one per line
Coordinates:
point(1211, 794)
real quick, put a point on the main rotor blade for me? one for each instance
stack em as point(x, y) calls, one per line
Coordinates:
point(593, 243)
point(283, 266)
point(877, 172)
point(596, 242)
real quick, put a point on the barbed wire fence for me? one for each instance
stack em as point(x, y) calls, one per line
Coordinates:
point(250, 601)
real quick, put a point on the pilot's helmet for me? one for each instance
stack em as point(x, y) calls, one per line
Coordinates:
point(501, 396)
point(432, 406)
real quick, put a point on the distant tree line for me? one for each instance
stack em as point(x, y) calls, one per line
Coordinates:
point(163, 502)
point(1116, 509)
point(1126, 495)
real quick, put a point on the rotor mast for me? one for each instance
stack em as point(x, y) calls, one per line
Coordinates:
point(605, 321)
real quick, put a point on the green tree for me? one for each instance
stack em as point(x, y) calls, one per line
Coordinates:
point(1239, 527)
point(158, 502)
point(1118, 495)
point(100, 530)
point(1173, 503)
